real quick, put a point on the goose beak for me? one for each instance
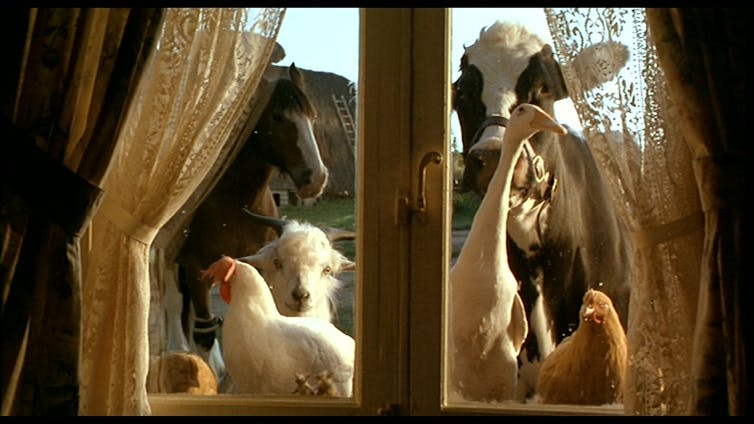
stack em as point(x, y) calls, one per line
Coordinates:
point(544, 122)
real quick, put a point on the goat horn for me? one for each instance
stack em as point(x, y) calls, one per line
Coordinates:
point(275, 223)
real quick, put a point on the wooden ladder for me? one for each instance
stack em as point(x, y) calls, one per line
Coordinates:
point(346, 119)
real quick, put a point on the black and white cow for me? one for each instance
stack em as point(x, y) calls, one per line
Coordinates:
point(564, 234)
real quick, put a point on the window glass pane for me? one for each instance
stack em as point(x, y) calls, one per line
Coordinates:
point(498, 333)
point(316, 186)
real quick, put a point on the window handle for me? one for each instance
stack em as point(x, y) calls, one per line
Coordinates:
point(418, 207)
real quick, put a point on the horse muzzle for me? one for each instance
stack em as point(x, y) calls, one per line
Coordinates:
point(311, 184)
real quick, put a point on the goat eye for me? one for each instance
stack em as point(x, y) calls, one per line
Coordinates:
point(278, 263)
point(327, 270)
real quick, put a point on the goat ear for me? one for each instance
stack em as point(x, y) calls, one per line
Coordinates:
point(348, 265)
point(254, 260)
point(336, 234)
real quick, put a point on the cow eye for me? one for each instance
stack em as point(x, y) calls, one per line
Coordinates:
point(278, 263)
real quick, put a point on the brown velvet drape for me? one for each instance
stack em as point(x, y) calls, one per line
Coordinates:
point(703, 53)
point(72, 72)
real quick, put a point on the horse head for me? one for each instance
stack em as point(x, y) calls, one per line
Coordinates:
point(285, 135)
point(282, 138)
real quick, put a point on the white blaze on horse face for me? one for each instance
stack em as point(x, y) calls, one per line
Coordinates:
point(307, 143)
point(501, 54)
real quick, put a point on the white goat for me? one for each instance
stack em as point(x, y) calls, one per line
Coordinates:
point(488, 320)
point(266, 351)
point(301, 266)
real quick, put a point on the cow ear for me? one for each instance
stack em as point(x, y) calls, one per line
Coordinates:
point(599, 63)
point(552, 73)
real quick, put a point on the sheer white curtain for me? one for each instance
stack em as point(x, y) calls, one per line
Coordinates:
point(193, 97)
point(633, 129)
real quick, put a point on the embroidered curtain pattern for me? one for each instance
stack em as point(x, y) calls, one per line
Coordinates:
point(632, 128)
point(192, 98)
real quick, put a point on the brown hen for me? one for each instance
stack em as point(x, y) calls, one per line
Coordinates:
point(589, 366)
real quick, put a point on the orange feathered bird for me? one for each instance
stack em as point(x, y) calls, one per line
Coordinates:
point(589, 366)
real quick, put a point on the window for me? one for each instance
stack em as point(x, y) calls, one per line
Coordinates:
point(404, 196)
point(391, 116)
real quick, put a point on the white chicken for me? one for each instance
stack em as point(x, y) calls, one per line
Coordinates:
point(265, 351)
point(488, 321)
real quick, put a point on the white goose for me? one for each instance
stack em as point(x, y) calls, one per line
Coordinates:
point(487, 319)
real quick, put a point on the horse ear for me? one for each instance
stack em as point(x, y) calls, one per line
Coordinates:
point(296, 76)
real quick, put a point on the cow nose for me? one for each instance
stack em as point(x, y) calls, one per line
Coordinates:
point(301, 294)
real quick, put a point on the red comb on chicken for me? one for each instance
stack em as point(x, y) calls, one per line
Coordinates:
point(219, 273)
point(588, 367)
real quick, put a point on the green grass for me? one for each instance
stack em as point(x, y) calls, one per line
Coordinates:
point(328, 212)
point(464, 208)
point(340, 212)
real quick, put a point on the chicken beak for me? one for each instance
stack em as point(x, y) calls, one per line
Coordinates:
point(588, 313)
point(545, 122)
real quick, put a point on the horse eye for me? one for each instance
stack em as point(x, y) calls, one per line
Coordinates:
point(278, 263)
point(327, 270)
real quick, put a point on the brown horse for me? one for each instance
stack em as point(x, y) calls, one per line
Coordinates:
point(281, 140)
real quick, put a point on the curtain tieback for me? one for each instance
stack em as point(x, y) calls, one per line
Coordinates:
point(647, 237)
point(126, 222)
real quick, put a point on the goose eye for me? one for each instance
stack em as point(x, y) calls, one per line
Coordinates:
point(327, 270)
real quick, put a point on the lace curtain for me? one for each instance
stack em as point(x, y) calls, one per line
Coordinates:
point(193, 97)
point(632, 127)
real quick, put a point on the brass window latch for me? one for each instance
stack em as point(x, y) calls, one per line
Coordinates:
point(416, 205)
